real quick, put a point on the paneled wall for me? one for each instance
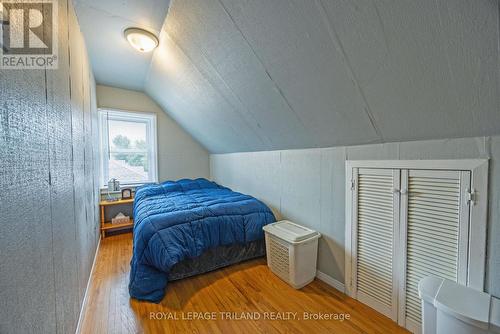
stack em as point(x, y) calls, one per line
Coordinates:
point(48, 181)
point(308, 187)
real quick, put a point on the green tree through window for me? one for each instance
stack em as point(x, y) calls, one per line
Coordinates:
point(121, 141)
point(133, 158)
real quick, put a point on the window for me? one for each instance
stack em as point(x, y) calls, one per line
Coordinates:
point(410, 219)
point(128, 147)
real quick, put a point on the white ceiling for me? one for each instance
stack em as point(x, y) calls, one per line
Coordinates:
point(102, 23)
point(245, 75)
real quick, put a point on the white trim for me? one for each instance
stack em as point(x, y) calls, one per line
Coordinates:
point(478, 225)
point(354, 237)
point(350, 178)
point(150, 119)
point(85, 296)
point(330, 281)
point(459, 164)
point(478, 216)
point(464, 216)
point(401, 260)
point(396, 270)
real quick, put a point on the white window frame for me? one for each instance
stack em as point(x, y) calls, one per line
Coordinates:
point(149, 119)
point(478, 212)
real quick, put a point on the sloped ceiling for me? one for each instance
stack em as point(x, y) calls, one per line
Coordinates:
point(256, 75)
point(102, 23)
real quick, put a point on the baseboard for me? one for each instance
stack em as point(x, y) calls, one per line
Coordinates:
point(84, 302)
point(330, 281)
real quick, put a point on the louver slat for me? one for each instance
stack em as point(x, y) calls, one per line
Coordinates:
point(375, 212)
point(432, 232)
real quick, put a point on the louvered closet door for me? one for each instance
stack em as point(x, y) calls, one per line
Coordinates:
point(434, 227)
point(376, 215)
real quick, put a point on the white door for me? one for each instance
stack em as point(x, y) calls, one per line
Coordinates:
point(411, 219)
point(433, 236)
point(375, 225)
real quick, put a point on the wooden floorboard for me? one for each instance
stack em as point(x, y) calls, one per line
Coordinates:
point(247, 287)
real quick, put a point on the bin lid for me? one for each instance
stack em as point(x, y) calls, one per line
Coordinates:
point(464, 303)
point(290, 231)
point(428, 288)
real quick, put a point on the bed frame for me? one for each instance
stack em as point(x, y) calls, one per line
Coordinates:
point(216, 258)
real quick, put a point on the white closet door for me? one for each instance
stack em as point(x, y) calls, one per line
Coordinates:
point(434, 229)
point(375, 219)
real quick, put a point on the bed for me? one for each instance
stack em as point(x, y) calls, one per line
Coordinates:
point(188, 227)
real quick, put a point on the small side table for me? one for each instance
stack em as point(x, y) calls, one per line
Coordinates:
point(106, 225)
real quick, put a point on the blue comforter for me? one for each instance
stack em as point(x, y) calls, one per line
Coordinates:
point(179, 220)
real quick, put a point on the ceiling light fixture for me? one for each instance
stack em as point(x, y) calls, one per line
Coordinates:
point(142, 40)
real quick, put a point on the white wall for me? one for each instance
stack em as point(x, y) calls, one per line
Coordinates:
point(179, 155)
point(308, 186)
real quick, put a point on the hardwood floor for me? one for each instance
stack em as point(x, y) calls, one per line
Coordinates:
point(246, 290)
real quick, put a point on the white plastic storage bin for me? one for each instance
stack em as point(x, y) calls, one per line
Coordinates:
point(448, 307)
point(292, 252)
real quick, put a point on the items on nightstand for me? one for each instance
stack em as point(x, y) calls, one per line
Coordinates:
point(126, 193)
point(113, 185)
point(120, 219)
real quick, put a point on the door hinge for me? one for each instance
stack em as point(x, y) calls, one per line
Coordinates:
point(471, 196)
point(353, 184)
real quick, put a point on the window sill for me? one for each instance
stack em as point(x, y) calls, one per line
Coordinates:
point(104, 189)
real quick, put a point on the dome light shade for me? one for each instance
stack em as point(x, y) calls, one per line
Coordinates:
point(140, 39)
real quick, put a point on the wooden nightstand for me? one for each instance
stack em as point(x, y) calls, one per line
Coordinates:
point(106, 225)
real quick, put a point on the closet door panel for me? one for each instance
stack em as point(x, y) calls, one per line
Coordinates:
point(376, 220)
point(434, 221)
